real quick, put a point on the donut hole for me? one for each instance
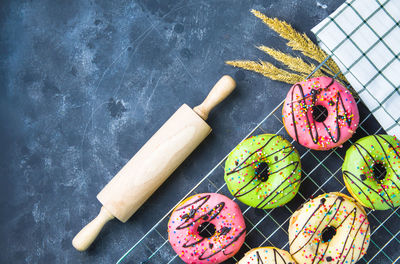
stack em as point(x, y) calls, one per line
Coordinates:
point(379, 171)
point(319, 113)
point(328, 233)
point(262, 171)
point(206, 229)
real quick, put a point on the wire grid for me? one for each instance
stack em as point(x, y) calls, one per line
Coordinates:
point(321, 173)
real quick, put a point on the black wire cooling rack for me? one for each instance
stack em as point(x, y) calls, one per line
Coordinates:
point(321, 173)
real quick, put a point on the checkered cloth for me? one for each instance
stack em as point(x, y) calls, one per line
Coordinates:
point(363, 37)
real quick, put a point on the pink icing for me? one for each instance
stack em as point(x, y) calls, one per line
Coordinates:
point(342, 112)
point(220, 211)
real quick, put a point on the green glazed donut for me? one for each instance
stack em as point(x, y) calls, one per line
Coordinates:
point(371, 171)
point(263, 171)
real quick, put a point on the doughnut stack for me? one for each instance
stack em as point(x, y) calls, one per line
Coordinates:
point(264, 172)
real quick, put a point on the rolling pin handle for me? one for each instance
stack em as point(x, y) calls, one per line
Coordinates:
point(89, 233)
point(219, 92)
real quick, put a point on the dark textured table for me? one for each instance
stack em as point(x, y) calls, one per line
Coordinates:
point(85, 83)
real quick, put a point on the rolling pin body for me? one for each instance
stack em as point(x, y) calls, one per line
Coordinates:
point(154, 162)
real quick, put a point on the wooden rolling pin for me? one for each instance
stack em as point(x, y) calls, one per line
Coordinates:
point(153, 163)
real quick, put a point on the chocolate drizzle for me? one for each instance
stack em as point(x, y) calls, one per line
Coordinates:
point(209, 216)
point(276, 256)
point(311, 123)
point(360, 181)
point(223, 249)
point(259, 260)
point(225, 230)
point(189, 215)
point(350, 214)
point(200, 202)
point(287, 150)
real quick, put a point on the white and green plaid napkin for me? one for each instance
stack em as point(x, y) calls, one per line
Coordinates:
point(363, 37)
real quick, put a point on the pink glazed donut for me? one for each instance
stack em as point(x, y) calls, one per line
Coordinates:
point(206, 228)
point(320, 114)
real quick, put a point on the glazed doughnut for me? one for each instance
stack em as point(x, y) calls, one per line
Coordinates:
point(320, 114)
point(263, 171)
point(371, 171)
point(332, 228)
point(206, 228)
point(267, 255)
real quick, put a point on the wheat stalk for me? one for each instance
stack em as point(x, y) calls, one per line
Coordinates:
point(268, 70)
point(293, 63)
point(298, 41)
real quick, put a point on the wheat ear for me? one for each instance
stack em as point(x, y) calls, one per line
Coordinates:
point(293, 63)
point(268, 70)
point(298, 41)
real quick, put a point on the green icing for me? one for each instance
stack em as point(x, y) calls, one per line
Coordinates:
point(263, 171)
point(364, 161)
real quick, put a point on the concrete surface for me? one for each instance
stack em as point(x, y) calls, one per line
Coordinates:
point(85, 83)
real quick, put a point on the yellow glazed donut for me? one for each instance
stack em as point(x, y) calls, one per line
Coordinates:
point(267, 255)
point(331, 228)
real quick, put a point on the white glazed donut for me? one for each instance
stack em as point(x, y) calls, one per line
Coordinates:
point(267, 255)
point(331, 228)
